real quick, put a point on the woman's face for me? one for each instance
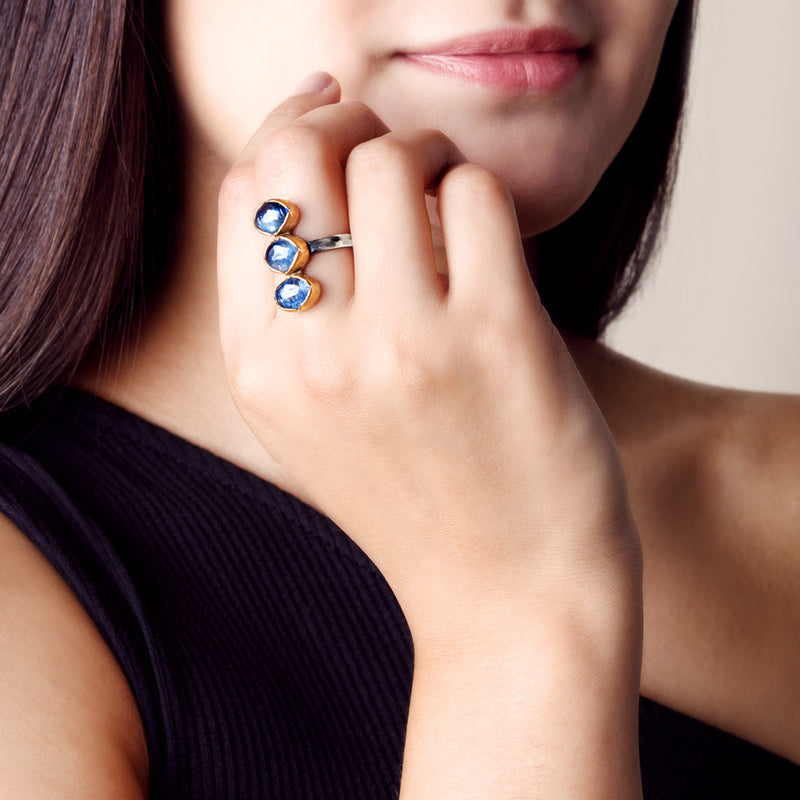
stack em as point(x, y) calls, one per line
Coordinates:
point(542, 92)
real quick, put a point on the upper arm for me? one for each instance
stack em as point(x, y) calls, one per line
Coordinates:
point(762, 498)
point(69, 727)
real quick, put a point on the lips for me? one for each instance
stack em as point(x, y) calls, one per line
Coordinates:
point(539, 61)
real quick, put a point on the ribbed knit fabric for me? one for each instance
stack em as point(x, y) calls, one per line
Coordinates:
point(267, 655)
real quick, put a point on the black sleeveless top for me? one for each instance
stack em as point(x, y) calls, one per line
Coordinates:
point(267, 655)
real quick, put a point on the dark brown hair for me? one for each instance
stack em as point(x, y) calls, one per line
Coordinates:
point(86, 167)
point(89, 187)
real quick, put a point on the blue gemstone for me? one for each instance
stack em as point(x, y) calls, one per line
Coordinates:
point(271, 216)
point(281, 255)
point(291, 294)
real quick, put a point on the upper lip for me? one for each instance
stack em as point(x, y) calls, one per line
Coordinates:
point(506, 40)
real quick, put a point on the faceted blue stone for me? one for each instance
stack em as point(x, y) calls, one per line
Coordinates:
point(281, 255)
point(271, 216)
point(291, 294)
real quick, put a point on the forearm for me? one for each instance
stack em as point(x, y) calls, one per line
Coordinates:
point(544, 711)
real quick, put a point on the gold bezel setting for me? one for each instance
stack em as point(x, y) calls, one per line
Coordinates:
point(275, 216)
point(277, 253)
point(304, 287)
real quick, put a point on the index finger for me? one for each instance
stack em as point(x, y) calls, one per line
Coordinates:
point(242, 279)
point(318, 89)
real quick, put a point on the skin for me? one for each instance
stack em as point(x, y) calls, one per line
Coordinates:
point(397, 360)
point(221, 60)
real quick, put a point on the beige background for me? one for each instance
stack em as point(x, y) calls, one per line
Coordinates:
point(722, 303)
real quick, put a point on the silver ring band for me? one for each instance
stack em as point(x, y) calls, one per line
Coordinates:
point(329, 243)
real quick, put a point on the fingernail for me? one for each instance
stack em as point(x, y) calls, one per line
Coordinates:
point(315, 82)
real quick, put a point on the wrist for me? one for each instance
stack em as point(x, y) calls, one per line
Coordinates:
point(549, 707)
point(560, 615)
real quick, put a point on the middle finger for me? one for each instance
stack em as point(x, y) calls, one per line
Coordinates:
point(387, 179)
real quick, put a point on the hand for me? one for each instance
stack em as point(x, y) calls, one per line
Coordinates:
point(439, 421)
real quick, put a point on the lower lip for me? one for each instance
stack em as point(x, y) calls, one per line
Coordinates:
point(531, 73)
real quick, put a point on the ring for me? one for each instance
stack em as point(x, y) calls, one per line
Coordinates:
point(288, 254)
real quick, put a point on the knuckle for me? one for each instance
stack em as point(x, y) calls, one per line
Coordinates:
point(400, 365)
point(355, 108)
point(238, 185)
point(474, 180)
point(246, 384)
point(328, 380)
point(384, 155)
point(494, 340)
point(299, 141)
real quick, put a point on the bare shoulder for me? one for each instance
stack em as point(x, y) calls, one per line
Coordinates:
point(69, 727)
point(757, 445)
point(714, 480)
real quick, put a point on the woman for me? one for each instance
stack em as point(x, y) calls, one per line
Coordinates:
point(181, 616)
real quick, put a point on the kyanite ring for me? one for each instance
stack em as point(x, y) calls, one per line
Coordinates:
point(288, 254)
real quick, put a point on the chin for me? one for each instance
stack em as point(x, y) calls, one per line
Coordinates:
point(548, 188)
point(545, 209)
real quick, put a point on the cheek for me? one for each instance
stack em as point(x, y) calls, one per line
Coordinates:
point(214, 64)
point(234, 61)
point(627, 58)
point(632, 41)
